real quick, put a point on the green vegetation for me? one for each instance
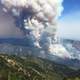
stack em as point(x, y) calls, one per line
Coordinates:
point(32, 68)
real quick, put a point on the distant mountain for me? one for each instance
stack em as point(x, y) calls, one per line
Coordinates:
point(73, 46)
point(17, 41)
point(74, 43)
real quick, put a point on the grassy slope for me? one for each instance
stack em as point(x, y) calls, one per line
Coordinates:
point(31, 68)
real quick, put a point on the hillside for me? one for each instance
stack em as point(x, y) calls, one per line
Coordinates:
point(32, 68)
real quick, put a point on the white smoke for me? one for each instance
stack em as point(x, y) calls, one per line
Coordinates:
point(41, 15)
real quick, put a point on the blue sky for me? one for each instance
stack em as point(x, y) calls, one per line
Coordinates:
point(71, 6)
point(70, 20)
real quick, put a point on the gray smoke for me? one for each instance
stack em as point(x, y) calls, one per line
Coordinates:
point(36, 18)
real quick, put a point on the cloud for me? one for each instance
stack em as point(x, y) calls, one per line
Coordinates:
point(69, 26)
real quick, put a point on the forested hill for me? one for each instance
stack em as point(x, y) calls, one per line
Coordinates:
point(32, 68)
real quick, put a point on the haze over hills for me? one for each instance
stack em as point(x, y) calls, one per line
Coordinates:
point(17, 41)
point(24, 47)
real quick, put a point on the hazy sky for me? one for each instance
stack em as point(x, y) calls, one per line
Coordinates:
point(70, 20)
point(7, 26)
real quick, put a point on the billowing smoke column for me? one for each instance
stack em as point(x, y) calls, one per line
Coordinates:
point(37, 18)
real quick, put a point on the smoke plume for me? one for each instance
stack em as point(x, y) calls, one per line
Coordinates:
point(36, 18)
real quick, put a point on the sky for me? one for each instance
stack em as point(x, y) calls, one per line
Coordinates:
point(7, 26)
point(69, 24)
